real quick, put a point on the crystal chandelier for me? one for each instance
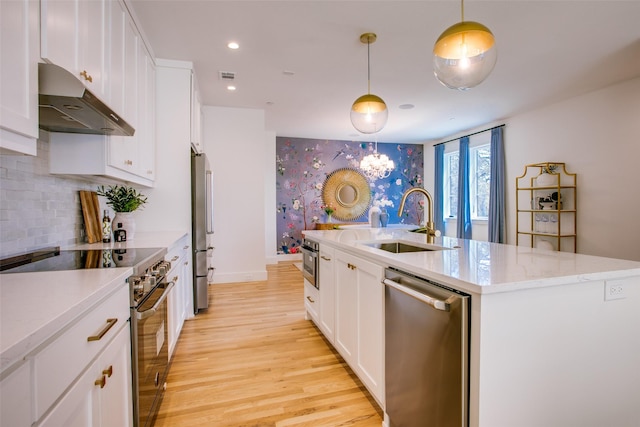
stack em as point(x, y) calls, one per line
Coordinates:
point(377, 165)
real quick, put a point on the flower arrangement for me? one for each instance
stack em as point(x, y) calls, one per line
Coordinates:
point(122, 198)
point(328, 209)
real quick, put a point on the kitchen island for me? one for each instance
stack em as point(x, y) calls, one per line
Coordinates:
point(555, 337)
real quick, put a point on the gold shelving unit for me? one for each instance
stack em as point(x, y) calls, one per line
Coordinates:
point(546, 200)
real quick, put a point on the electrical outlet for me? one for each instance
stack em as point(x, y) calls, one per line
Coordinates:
point(614, 289)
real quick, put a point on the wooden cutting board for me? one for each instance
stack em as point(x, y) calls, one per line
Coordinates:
point(91, 214)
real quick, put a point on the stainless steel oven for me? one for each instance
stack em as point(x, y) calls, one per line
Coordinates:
point(310, 265)
point(149, 329)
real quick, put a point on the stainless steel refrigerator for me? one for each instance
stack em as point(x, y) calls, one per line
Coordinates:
point(201, 226)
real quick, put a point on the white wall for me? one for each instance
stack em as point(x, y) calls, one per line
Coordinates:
point(597, 136)
point(270, 198)
point(235, 144)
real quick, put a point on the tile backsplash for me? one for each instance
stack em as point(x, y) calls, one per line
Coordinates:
point(38, 209)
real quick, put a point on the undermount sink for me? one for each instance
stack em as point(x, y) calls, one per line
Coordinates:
point(398, 247)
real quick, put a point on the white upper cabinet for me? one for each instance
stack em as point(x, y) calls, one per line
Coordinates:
point(19, 76)
point(196, 116)
point(102, 46)
point(74, 35)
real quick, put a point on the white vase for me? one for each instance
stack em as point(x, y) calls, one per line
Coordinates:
point(125, 221)
point(546, 180)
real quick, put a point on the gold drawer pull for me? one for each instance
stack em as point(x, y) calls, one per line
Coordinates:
point(351, 266)
point(101, 382)
point(86, 76)
point(108, 372)
point(175, 258)
point(325, 258)
point(310, 300)
point(110, 323)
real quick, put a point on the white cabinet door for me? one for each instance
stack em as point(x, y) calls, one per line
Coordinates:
point(101, 397)
point(146, 113)
point(74, 36)
point(118, 23)
point(15, 398)
point(346, 339)
point(311, 302)
point(60, 33)
point(196, 116)
point(370, 309)
point(327, 293)
point(19, 76)
point(360, 319)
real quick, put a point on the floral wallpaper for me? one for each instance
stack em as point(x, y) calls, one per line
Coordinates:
point(303, 165)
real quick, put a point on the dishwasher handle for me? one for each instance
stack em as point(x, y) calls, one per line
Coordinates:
point(433, 302)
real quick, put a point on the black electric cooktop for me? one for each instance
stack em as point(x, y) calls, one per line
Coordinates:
point(53, 259)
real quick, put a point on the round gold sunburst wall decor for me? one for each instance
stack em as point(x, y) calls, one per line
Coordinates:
point(347, 190)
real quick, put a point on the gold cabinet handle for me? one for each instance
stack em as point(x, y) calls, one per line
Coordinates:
point(128, 162)
point(325, 258)
point(110, 323)
point(86, 76)
point(175, 279)
point(108, 372)
point(310, 300)
point(101, 382)
point(186, 247)
point(175, 258)
point(351, 266)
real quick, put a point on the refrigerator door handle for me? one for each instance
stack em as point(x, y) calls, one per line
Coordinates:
point(209, 201)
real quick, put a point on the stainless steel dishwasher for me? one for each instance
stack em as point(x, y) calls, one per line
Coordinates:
point(426, 352)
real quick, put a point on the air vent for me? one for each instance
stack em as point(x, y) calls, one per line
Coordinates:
point(227, 75)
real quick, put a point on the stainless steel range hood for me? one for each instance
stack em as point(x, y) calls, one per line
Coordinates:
point(66, 105)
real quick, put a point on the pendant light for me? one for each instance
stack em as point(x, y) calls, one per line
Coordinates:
point(376, 165)
point(464, 54)
point(369, 112)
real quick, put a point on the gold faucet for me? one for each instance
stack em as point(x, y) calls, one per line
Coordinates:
point(429, 226)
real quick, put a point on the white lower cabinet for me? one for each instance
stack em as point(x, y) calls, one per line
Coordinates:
point(80, 376)
point(101, 397)
point(180, 296)
point(311, 302)
point(16, 398)
point(327, 315)
point(359, 310)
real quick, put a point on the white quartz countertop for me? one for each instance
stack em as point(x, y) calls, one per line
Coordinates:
point(475, 266)
point(34, 306)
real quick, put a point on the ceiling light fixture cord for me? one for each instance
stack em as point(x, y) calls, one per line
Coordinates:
point(368, 65)
point(461, 10)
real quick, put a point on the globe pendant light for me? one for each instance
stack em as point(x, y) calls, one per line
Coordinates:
point(376, 165)
point(464, 54)
point(369, 112)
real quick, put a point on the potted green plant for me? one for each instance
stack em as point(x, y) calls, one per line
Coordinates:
point(124, 201)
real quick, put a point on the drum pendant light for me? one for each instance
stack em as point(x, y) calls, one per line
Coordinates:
point(369, 113)
point(464, 55)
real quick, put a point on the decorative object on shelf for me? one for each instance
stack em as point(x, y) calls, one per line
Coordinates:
point(376, 165)
point(464, 55)
point(348, 192)
point(124, 201)
point(369, 113)
point(329, 210)
point(548, 175)
point(546, 203)
point(384, 218)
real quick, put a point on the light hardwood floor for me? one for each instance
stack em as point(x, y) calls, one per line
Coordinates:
point(253, 360)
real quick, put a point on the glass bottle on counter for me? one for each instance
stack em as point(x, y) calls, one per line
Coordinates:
point(106, 227)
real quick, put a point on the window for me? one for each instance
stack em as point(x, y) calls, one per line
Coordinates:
point(479, 181)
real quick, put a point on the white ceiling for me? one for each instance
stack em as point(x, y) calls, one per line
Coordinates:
point(547, 51)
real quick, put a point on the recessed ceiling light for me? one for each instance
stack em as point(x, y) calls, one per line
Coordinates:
point(288, 73)
point(231, 88)
point(406, 106)
point(270, 103)
point(233, 45)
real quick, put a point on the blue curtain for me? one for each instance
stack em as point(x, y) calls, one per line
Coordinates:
point(438, 189)
point(497, 214)
point(464, 208)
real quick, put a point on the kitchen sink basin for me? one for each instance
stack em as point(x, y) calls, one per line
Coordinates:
point(398, 247)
